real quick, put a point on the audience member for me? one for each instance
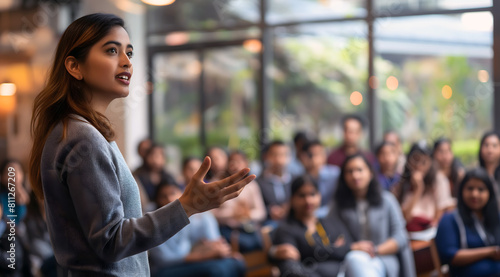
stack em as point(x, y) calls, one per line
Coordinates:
point(489, 154)
point(374, 223)
point(424, 192)
point(448, 164)
point(275, 181)
point(393, 137)
point(189, 167)
point(219, 163)
point(13, 178)
point(196, 250)
point(353, 134)
point(243, 214)
point(304, 244)
point(295, 167)
point(314, 158)
point(387, 161)
point(142, 150)
point(468, 239)
point(154, 172)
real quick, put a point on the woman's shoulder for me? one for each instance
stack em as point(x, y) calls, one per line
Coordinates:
point(388, 198)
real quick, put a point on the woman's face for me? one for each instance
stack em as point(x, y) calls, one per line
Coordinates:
point(156, 158)
point(107, 69)
point(419, 162)
point(190, 169)
point(475, 194)
point(388, 157)
point(167, 195)
point(219, 159)
point(357, 175)
point(306, 200)
point(490, 149)
point(443, 155)
point(236, 163)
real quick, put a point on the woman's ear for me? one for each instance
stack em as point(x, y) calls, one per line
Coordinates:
point(73, 67)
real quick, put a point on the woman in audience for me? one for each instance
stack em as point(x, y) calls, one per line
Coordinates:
point(189, 167)
point(424, 192)
point(387, 158)
point(374, 223)
point(219, 163)
point(13, 178)
point(154, 172)
point(304, 244)
point(243, 214)
point(196, 250)
point(449, 165)
point(468, 239)
point(489, 154)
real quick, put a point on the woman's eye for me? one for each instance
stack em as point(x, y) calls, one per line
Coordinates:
point(130, 54)
point(112, 50)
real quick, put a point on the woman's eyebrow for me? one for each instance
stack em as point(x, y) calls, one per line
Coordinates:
point(117, 43)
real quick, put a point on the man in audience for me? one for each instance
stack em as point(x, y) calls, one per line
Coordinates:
point(275, 180)
point(313, 156)
point(295, 167)
point(394, 138)
point(196, 250)
point(142, 150)
point(353, 134)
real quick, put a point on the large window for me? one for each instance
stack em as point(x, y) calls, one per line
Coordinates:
point(235, 77)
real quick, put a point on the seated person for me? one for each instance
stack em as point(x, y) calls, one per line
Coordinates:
point(244, 213)
point(387, 161)
point(448, 164)
point(275, 181)
point(374, 224)
point(189, 167)
point(304, 244)
point(424, 192)
point(326, 176)
point(219, 164)
point(196, 250)
point(468, 239)
point(153, 172)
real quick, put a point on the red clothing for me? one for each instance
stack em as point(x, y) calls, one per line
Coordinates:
point(338, 156)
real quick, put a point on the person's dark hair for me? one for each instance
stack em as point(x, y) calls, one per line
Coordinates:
point(300, 136)
point(344, 197)
point(356, 117)
point(275, 143)
point(189, 159)
point(310, 144)
point(490, 210)
point(382, 145)
point(141, 142)
point(296, 185)
point(456, 165)
point(64, 95)
point(481, 160)
point(429, 178)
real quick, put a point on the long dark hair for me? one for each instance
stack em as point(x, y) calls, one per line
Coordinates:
point(64, 95)
point(490, 210)
point(344, 197)
point(456, 165)
point(297, 184)
point(429, 178)
point(482, 163)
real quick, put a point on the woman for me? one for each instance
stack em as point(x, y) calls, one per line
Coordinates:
point(189, 167)
point(92, 202)
point(449, 165)
point(219, 159)
point(489, 154)
point(243, 214)
point(424, 192)
point(469, 238)
point(387, 158)
point(304, 244)
point(374, 223)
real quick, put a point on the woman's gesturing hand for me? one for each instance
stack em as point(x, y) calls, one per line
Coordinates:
point(200, 196)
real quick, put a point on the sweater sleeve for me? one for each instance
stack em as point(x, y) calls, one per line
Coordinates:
point(397, 224)
point(447, 238)
point(93, 184)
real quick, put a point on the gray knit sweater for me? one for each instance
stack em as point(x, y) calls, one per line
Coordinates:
point(93, 206)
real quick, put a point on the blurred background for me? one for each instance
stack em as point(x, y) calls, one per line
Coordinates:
point(239, 73)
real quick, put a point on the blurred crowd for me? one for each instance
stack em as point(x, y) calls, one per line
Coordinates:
point(349, 211)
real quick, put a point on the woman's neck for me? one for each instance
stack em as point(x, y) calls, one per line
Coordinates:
point(360, 194)
point(491, 167)
point(479, 215)
point(307, 219)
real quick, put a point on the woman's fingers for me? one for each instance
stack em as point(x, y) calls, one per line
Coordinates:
point(233, 178)
point(203, 170)
point(238, 186)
